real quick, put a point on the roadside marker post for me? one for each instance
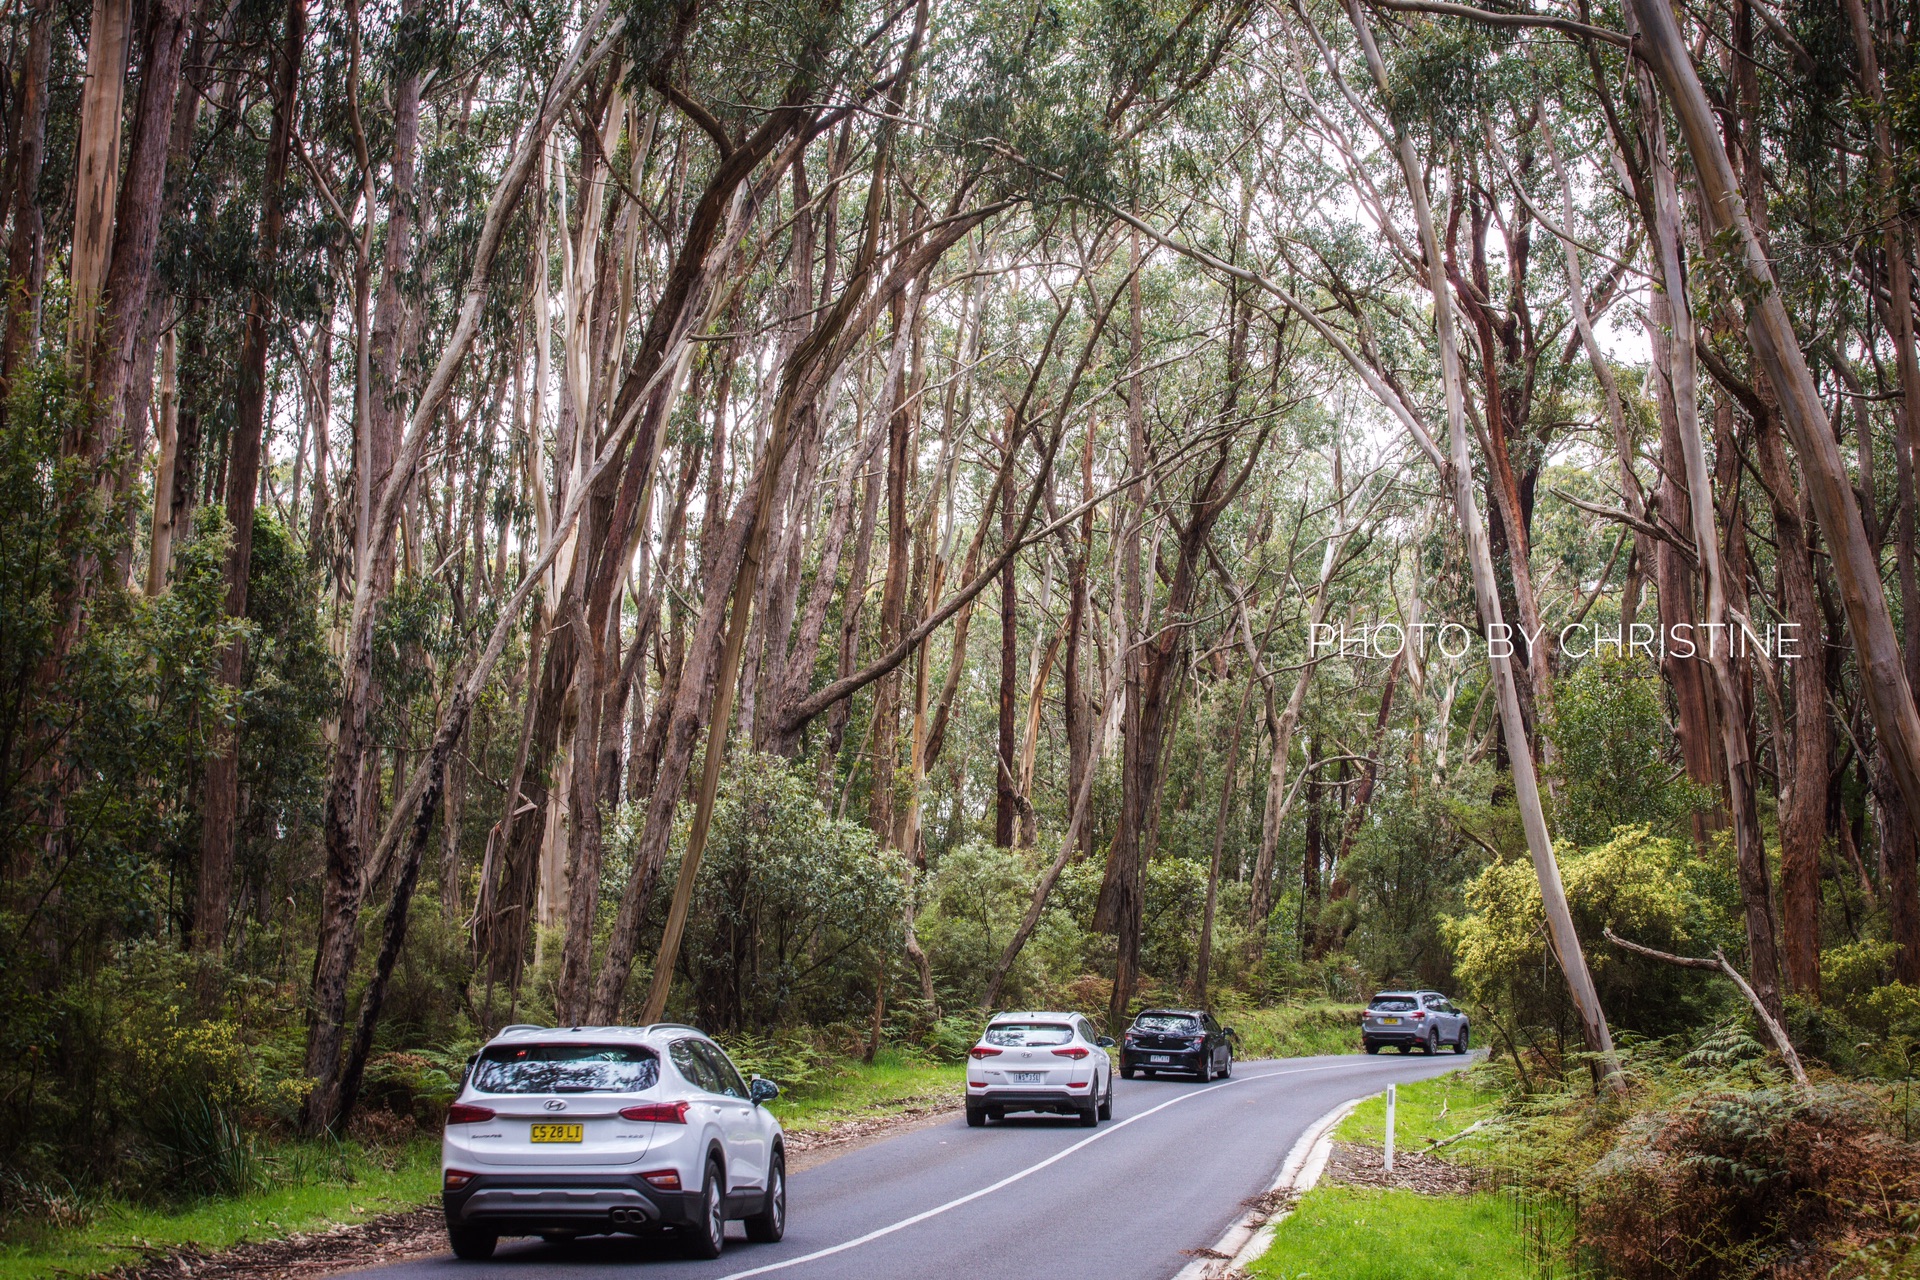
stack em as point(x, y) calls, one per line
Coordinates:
point(1390, 1128)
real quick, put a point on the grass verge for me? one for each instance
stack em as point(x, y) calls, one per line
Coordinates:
point(852, 1089)
point(1295, 1030)
point(1355, 1233)
point(307, 1187)
point(1425, 1112)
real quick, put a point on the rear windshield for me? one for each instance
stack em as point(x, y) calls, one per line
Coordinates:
point(1394, 1004)
point(566, 1068)
point(1020, 1035)
point(1166, 1022)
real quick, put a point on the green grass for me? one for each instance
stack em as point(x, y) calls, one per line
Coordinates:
point(854, 1089)
point(1352, 1233)
point(1425, 1111)
point(308, 1187)
point(1295, 1030)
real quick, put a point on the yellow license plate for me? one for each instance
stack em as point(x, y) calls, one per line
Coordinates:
point(1391, 1022)
point(557, 1133)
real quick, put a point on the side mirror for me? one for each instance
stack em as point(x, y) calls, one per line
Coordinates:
point(762, 1090)
point(1105, 1042)
point(1231, 1034)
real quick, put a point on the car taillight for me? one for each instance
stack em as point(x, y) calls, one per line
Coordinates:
point(665, 1179)
point(467, 1113)
point(1075, 1052)
point(457, 1178)
point(658, 1112)
point(1199, 1042)
point(1418, 1016)
point(983, 1051)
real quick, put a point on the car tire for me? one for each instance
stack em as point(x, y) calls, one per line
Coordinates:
point(976, 1116)
point(1106, 1103)
point(1370, 1046)
point(471, 1244)
point(1090, 1114)
point(707, 1233)
point(768, 1225)
point(1126, 1073)
point(1460, 1044)
point(1406, 1046)
point(1205, 1073)
point(1433, 1044)
point(1226, 1072)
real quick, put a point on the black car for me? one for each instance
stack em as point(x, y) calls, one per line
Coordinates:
point(1184, 1040)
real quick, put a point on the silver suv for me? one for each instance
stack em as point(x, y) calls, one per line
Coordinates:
point(1410, 1019)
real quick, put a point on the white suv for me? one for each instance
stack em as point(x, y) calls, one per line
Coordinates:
point(561, 1132)
point(1040, 1062)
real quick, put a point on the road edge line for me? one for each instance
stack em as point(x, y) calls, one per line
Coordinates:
point(1252, 1232)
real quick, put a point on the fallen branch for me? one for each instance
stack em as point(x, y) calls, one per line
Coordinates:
point(1768, 1023)
point(1450, 1139)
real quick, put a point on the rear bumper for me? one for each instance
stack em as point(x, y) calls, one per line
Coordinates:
point(1176, 1059)
point(529, 1203)
point(1058, 1101)
point(1393, 1035)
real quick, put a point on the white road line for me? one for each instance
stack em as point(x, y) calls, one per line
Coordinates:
point(1012, 1178)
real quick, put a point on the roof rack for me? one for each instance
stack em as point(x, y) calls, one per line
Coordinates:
point(520, 1026)
point(675, 1026)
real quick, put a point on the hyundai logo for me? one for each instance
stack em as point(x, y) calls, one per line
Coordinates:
point(555, 1104)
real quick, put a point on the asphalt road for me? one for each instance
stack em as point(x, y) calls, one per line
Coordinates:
point(1027, 1196)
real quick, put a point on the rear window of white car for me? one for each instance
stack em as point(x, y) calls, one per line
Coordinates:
point(1165, 1022)
point(1022, 1035)
point(1393, 1004)
point(566, 1068)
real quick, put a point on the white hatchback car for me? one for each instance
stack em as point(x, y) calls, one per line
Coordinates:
point(562, 1132)
point(1052, 1062)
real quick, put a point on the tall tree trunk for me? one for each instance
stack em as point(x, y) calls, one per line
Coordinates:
point(125, 344)
point(1230, 771)
point(1313, 855)
point(1118, 908)
point(893, 590)
point(220, 797)
point(96, 172)
point(1006, 811)
point(166, 472)
point(28, 157)
point(1803, 803)
point(1077, 709)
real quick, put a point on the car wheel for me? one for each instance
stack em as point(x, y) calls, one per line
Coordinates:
point(1226, 1072)
point(1460, 1045)
point(1106, 1103)
point(1206, 1067)
point(707, 1233)
point(976, 1116)
point(1406, 1046)
point(1433, 1044)
point(1090, 1114)
point(471, 1243)
point(1370, 1046)
point(1126, 1073)
point(768, 1225)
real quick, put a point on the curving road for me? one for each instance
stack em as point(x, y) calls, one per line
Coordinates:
point(1027, 1196)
